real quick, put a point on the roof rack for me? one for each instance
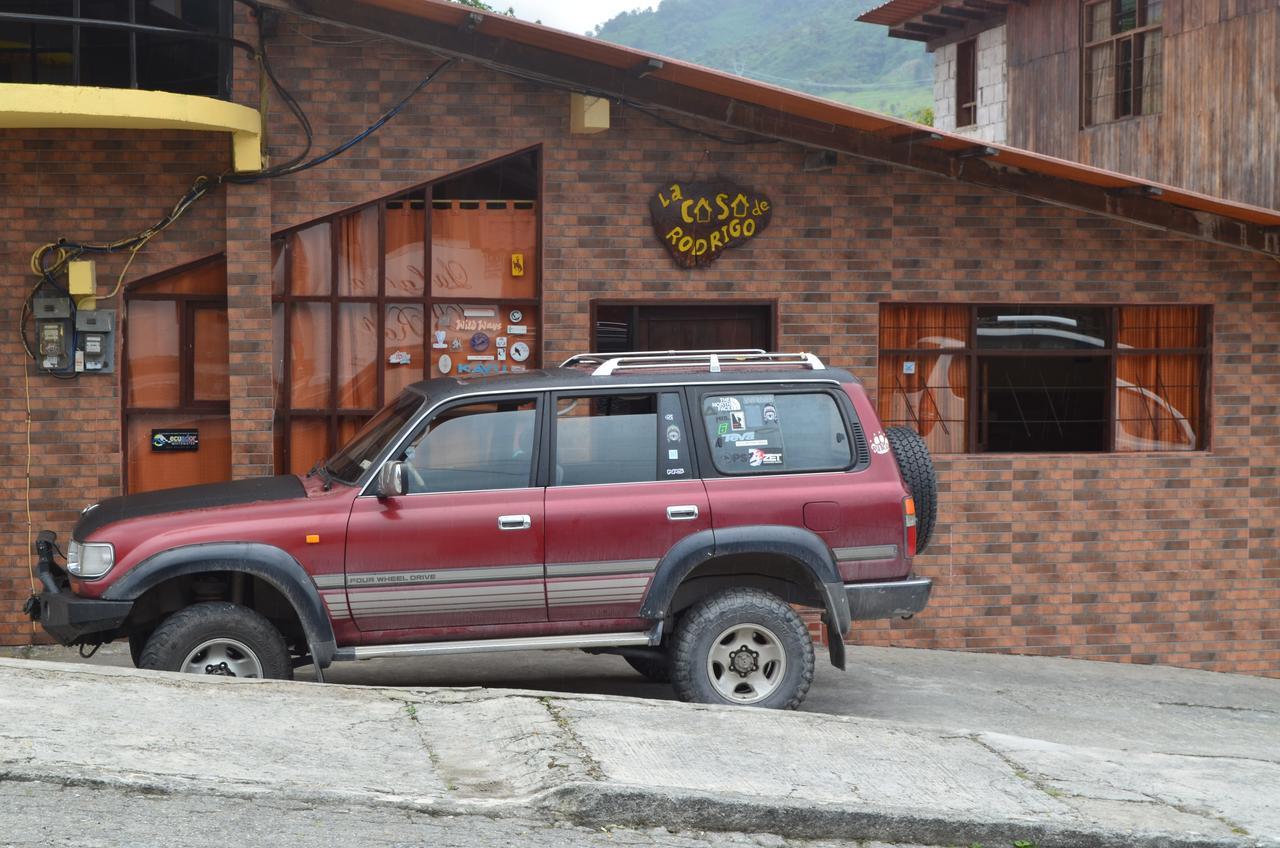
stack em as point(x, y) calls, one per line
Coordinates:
point(713, 360)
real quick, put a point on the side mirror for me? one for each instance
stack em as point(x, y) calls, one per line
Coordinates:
point(393, 480)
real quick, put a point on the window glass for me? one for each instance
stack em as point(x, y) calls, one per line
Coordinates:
point(762, 433)
point(610, 439)
point(483, 248)
point(475, 447)
point(357, 453)
point(1042, 327)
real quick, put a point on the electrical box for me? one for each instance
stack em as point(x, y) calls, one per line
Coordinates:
point(95, 341)
point(55, 335)
point(81, 278)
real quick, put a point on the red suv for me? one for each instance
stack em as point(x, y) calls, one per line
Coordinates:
point(674, 508)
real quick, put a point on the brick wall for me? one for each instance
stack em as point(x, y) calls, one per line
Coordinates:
point(1169, 558)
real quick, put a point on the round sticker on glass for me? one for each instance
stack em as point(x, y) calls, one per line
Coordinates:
point(519, 351)
point(446, 364)
point(479, 342)
point(516, 316)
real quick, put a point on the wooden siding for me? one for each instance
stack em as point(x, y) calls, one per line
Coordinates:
point(1219, 129)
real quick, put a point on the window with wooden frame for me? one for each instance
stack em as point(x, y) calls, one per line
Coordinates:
point(967, 83)
point(438, 281)
point(1123, 67)
point(1046, 378)
point(175, 378)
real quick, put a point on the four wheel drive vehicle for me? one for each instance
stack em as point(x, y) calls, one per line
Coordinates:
point(673, 508)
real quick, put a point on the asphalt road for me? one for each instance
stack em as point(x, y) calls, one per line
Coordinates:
point(1071, 702)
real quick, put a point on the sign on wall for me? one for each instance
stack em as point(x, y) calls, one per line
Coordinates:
point(697, 221)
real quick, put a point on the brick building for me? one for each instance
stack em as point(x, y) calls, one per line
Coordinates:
point(1092, 359)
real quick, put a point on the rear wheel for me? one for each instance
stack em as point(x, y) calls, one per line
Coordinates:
point(220, 639)
point(742, 646)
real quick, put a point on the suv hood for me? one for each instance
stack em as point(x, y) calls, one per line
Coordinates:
point(208, 496)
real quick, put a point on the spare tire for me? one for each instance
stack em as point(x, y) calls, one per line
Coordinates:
point(916, 465)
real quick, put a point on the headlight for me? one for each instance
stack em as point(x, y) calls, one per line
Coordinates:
point(91, 559)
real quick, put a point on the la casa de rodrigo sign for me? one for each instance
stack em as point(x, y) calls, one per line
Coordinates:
point(697, 221)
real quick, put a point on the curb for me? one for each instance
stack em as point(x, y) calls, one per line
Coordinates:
point(599, 805)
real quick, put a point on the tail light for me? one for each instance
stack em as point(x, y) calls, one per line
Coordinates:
point(909, 523)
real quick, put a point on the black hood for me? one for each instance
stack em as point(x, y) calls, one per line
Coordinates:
point(188, 497)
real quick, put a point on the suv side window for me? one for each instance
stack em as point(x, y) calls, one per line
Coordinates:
point(631, 438)
point(475, 446)
point(757, 433)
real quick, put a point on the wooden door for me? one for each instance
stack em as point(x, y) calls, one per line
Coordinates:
point(176, 387)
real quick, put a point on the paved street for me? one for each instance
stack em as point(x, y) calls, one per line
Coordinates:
point(928, 747)
point(1076, 702)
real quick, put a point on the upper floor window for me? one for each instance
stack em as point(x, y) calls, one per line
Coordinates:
point(1123, 59)
point(967, 83)
point(58, 42)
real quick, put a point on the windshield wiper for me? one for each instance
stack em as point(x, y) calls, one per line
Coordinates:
point(322, 471)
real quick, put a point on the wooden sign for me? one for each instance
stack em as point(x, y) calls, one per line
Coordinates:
point(698, 221)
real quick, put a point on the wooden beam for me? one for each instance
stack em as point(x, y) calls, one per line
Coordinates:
point(721, 110)
point(939, 20)
point(909, 36)
point(924, 29)
point(913, 137)
point(961, 12)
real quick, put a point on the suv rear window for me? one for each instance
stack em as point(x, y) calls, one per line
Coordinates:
point(768, 433)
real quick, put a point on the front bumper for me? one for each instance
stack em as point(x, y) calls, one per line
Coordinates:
point(894, 599)
point(71, 619)
point(64, 615)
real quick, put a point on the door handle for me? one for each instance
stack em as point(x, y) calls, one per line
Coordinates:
point(514, 522)
point(686, 512)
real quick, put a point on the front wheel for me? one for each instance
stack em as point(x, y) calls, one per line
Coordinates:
point(742, 646)
point(221, 639)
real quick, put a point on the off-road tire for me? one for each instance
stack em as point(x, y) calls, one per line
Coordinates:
point(916, 466)
point(656, 667)
point(702, 623)
point(179, 634)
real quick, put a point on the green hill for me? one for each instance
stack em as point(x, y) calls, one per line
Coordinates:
point(814, 46)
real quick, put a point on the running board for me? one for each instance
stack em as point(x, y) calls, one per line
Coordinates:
point(477, 646)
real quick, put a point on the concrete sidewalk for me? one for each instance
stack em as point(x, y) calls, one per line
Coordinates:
point(620, 761)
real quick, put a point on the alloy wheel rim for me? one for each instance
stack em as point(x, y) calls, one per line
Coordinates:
point(746, 663)
point(223, 658)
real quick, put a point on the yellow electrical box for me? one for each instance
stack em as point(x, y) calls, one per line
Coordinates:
point(588, 115)
point(81, 278)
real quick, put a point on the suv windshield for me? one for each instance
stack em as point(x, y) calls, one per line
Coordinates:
point(349, 463)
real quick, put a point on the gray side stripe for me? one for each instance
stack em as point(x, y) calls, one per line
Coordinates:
point(866, 552)
point(329, 581)
point(584, 569)
point(450, 575)
point(453, 592)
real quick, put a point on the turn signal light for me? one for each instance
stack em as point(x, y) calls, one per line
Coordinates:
point(909, 523)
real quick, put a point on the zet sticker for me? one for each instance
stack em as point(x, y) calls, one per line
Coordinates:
point(519, 351)
point(446, 364)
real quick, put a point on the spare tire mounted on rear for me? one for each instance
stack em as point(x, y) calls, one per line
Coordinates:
point(916, 465)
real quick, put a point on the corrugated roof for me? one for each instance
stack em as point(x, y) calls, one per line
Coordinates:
point(896, 11)
point(795, 103)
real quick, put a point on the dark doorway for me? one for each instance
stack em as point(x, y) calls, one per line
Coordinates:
point(623, 327)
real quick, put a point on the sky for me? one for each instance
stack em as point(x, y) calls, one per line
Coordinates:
point(576, 16)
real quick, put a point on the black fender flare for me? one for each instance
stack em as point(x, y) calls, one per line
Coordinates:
point(801, 546)
point(266, 562)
